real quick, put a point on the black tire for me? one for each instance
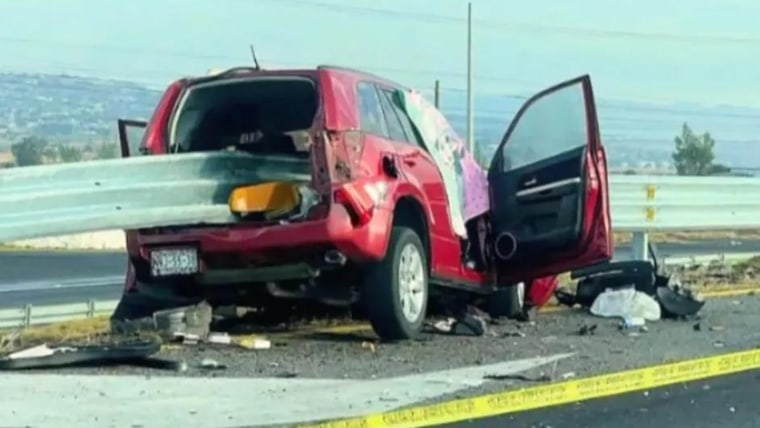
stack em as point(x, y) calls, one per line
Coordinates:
point(507, 301)
point(382, 289)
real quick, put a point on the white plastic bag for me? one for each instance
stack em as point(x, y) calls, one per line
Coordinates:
point(626, 303)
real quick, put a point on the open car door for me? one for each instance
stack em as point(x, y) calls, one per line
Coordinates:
point(130, 136)
point(548, 187)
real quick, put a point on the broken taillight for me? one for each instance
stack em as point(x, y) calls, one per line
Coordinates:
point(154, 139)
point(362, 197)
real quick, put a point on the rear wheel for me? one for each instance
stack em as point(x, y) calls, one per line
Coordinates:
point(396, 288)
point(507, 301)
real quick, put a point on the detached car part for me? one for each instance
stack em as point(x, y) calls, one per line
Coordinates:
point(642, 275)
point(42, 356)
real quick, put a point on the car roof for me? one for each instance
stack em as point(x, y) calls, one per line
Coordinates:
point(245, 70)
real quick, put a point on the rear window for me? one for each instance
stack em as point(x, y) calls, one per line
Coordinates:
point(262, 115)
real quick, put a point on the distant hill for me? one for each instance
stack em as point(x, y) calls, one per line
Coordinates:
point(83, 110)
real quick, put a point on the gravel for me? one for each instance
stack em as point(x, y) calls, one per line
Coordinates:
point(726, 324)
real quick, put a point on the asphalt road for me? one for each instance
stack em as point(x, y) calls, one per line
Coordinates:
point(67, 277)
point(46, 278)
point(725, 325)
point(729, 401)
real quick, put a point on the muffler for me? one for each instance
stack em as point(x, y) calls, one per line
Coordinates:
point(505, 246)
point(335, 257)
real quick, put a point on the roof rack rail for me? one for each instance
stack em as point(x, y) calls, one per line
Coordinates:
point(365, 73)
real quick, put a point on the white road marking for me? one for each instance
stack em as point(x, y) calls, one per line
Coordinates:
point(47, 400)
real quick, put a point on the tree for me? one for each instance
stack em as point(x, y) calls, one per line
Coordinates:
point(29, 151)
point(68, 153)
point(694, 153)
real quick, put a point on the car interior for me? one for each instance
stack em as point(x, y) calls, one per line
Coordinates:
point(260, 116)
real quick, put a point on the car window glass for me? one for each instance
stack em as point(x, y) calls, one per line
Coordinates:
point(370, 111)
point(551, 125)
point(395, 129)
point(406, 123)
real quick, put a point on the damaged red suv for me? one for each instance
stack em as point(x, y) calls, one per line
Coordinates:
point(373, 227)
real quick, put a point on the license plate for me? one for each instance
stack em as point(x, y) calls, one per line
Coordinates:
point(175, 261)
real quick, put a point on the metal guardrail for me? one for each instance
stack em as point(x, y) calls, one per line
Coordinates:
point(148, 191)
point(30, 315)
point(648, 203)
point(642, 204)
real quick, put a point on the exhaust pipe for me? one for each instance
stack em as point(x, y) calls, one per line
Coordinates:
point(335, 257)
point(505, 246)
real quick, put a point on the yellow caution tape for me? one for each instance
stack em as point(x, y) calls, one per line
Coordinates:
point(557, 393)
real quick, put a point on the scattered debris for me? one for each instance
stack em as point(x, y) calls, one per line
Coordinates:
point(444, 326)
point(632, 291)
point(587, 330)
point(677, 301)
point(716, 328)
point(520, 377)
point(471, 323)
point(133, 351)
point(370, 346)
point(514, 333)
point(568, 375)
point(252, 342)
point(697, 326)
point(186, 338)
point(719, 344)
point(211, 364)
point(219, 338)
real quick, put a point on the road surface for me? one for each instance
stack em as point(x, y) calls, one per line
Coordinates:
point(729, 401)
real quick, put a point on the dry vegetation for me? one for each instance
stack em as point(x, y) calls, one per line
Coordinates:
point(84, 331)
point(690, 236)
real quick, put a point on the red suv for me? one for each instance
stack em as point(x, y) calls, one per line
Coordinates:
point(376, 231)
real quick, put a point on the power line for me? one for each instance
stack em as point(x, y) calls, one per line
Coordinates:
point(127, 50)
point(527, 27)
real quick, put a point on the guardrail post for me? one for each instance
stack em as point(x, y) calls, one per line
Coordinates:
point(90, 308)
point(27, 316)
point(640, 246)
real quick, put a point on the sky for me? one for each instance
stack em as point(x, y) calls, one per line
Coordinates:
point(700, 51)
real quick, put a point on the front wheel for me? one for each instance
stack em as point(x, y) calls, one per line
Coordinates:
point(396, 288)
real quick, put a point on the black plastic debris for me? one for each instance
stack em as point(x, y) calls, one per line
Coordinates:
point(587, 330)
point(677, 302)
point(469, 325)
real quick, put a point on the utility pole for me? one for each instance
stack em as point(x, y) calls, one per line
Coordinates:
point(470, 119)
point(437, 94)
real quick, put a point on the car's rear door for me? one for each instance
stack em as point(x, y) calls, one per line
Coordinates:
point(130, 136)
point(548, 187)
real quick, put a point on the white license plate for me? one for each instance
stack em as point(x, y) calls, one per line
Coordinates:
point(175, 261)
